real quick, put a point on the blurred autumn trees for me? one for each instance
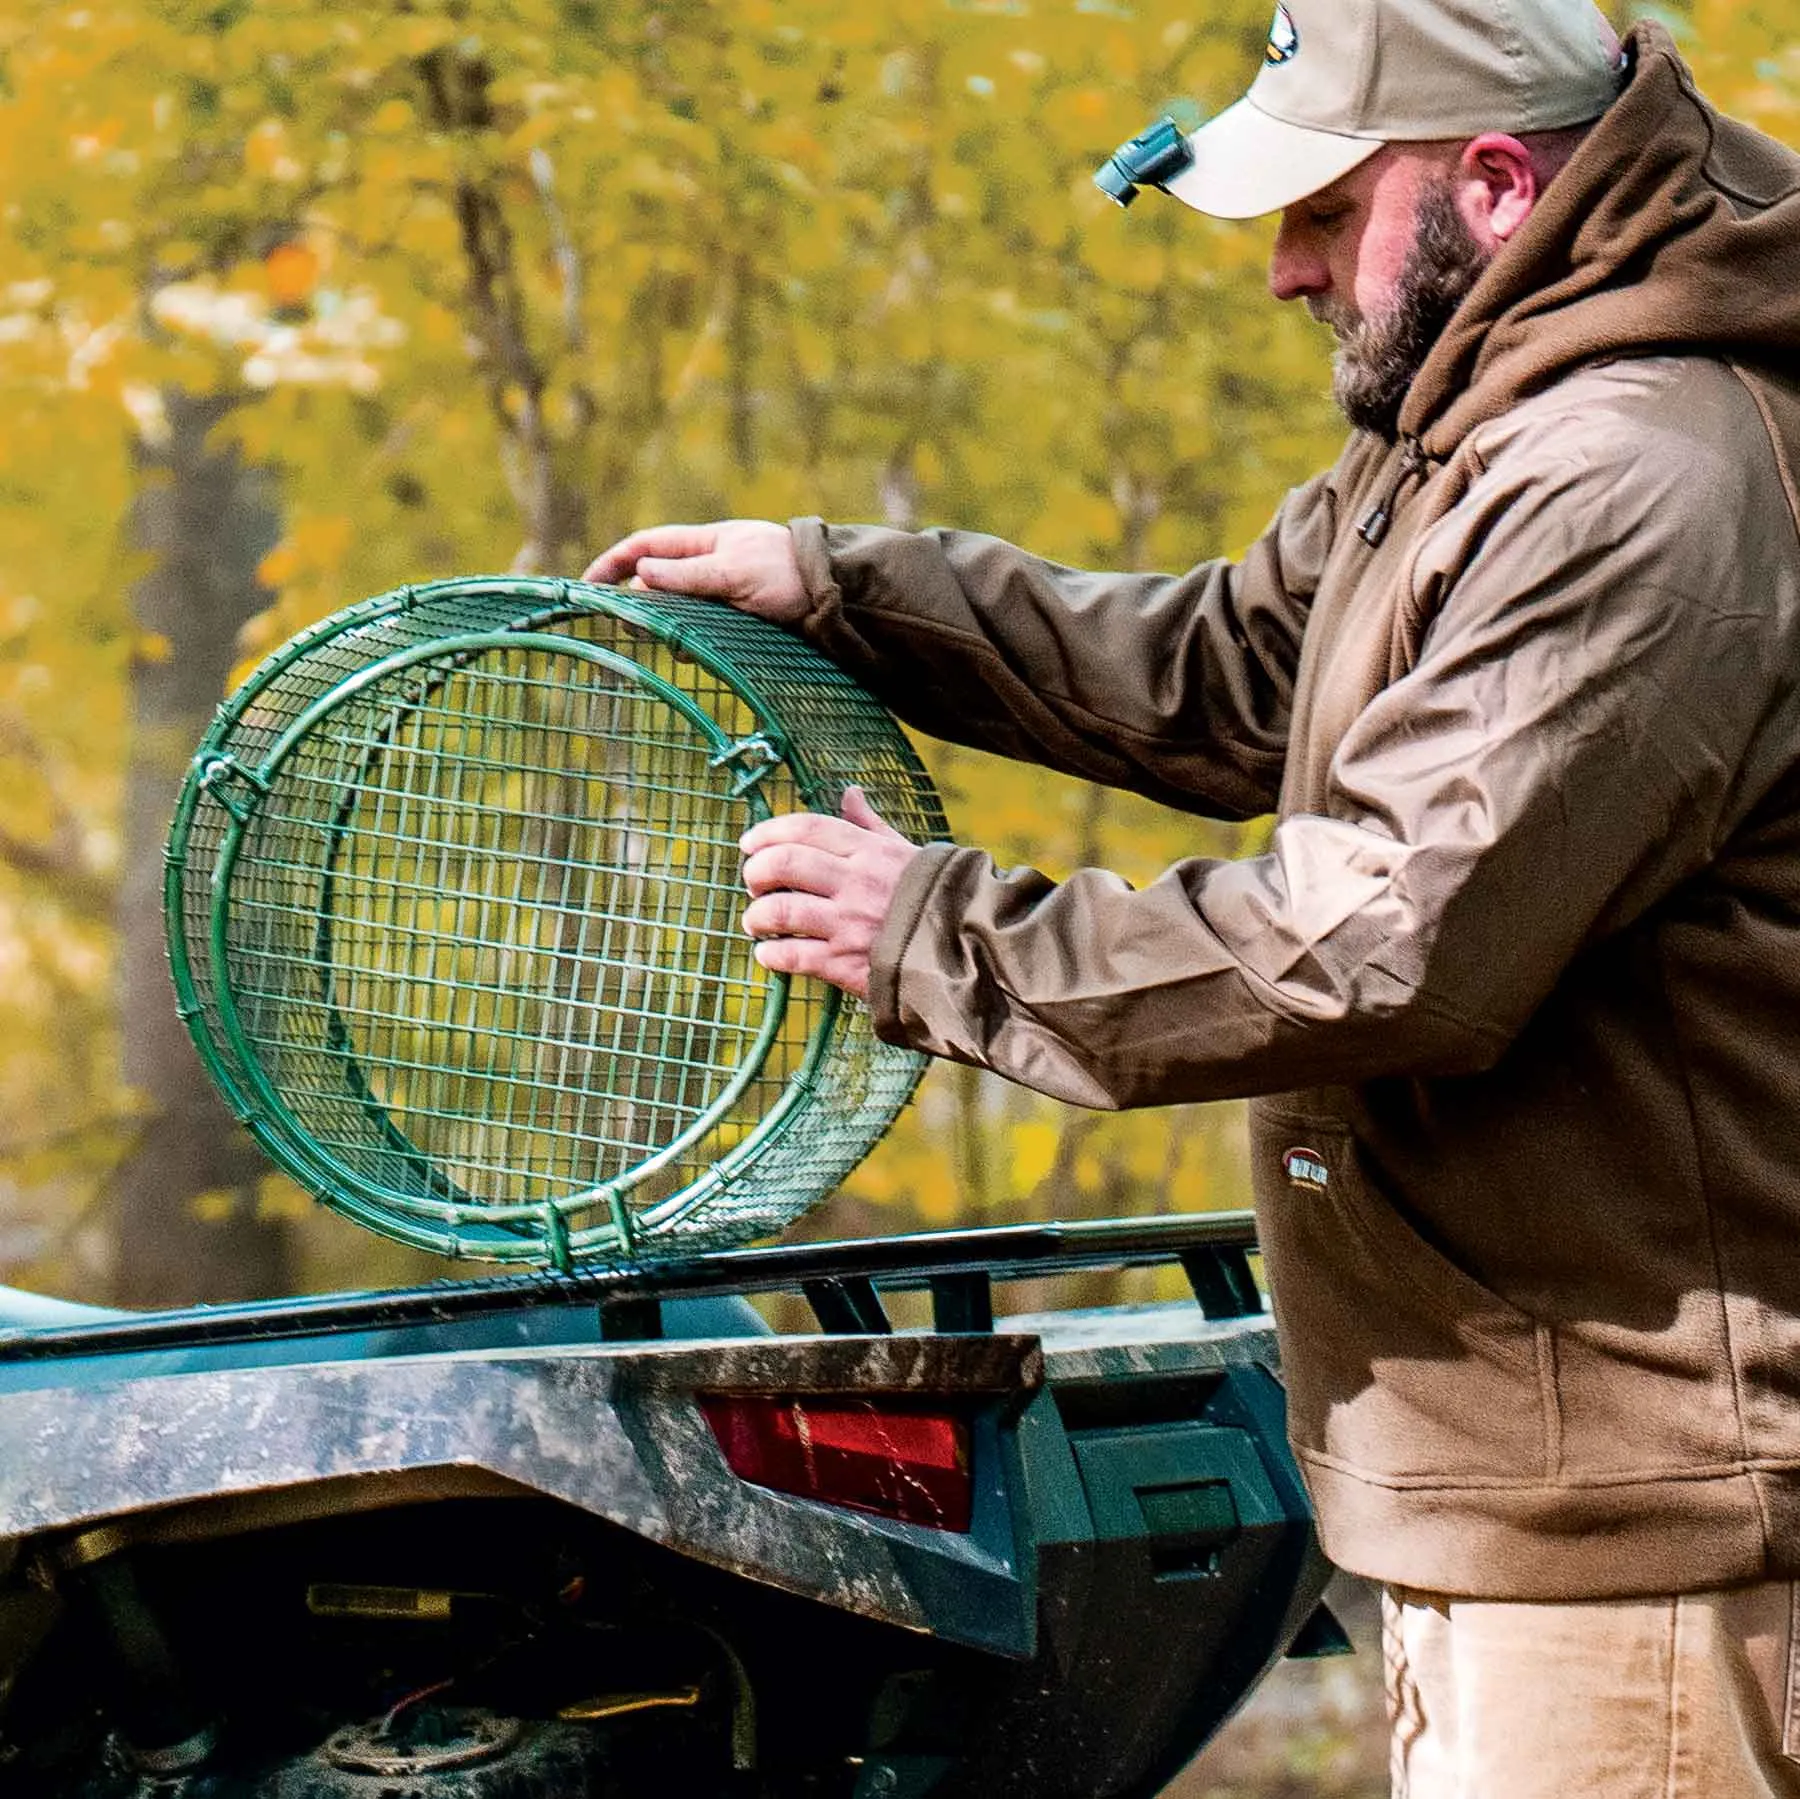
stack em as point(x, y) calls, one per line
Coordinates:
point(299, 301)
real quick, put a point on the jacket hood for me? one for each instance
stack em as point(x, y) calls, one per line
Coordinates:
point(1671, 229)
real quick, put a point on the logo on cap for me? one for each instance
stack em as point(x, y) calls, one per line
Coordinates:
point(1306, 1170)
point(1284, 39)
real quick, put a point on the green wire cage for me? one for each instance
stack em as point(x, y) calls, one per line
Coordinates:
point(453, 900)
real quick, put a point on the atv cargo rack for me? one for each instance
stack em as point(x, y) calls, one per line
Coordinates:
point(842, 1281)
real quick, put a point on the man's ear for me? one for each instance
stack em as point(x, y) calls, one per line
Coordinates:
point(1497, 187)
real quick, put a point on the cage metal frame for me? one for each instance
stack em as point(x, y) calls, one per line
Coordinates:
point(444, 1217)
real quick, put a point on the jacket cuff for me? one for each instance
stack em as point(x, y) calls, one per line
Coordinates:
point(906, 912)
point(824, 598)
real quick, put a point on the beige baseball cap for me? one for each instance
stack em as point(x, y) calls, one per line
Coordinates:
point(1340, 78)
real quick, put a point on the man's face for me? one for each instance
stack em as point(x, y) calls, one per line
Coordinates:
point(1384, 257)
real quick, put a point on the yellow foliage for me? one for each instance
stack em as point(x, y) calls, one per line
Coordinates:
point(391, 118)
point(292, 272)
point(322, 539)
point(266, 152)
point(1033, 1150)
point(280, 1201)
point(279, 567)
point(936, 1198)
point(215, 1206)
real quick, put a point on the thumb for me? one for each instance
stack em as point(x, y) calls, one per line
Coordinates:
point(857, 811)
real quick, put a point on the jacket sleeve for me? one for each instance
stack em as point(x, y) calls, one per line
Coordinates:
point(1598, 700)
point(1178, 687)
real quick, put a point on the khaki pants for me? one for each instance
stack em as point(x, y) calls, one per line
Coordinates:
point(1696, 1697)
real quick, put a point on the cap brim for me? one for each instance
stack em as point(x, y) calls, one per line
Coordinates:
point(1247, 163)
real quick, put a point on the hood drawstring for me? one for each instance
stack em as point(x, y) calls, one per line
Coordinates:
point(1374, 527)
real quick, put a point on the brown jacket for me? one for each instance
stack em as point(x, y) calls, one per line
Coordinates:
point(1524, 957)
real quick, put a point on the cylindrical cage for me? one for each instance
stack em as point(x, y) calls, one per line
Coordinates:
point(454, 903)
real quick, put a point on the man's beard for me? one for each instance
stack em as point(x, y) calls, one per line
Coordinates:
point(1378, 358)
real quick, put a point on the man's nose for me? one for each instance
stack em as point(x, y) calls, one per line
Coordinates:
point(1296, 271)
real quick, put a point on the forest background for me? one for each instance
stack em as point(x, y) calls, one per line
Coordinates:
point(300, 301)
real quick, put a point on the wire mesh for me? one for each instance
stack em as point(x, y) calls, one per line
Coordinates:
point(453, 901)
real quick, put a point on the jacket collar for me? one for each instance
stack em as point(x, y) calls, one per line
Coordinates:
point(1671, 229)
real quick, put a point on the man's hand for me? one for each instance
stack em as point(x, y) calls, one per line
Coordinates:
point(749, 562)
point(822, 887)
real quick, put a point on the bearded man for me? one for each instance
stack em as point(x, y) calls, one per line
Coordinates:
point(1516, 988)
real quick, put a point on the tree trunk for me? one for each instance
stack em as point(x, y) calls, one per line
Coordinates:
point(186, 1226)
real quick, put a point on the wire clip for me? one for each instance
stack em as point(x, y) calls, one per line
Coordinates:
point(220, 774)
point(752, 756)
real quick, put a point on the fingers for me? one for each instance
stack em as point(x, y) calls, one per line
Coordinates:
point(811, 830)
point(859, 812)
point(660, 541)
point(750, 563)
point(823, 887)
point(796, 866)
point(808, 956)
point(786, 914)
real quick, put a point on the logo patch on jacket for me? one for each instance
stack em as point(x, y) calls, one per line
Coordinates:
point(1284, 39)
point(1306, 1170)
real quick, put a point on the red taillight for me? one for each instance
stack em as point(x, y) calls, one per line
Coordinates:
point(902, 1463)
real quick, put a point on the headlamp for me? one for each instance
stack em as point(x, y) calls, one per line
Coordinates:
point(1150, 159)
